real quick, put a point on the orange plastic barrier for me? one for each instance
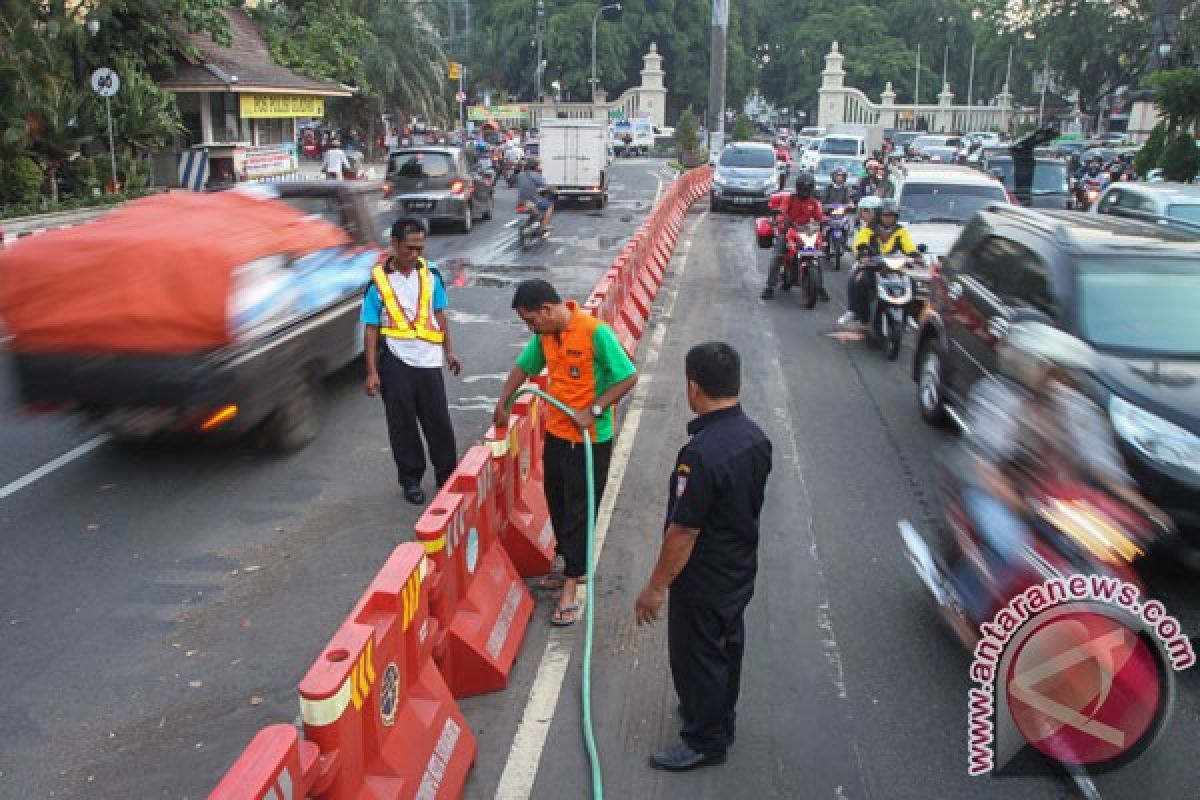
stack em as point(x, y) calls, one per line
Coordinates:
point(276, 764)
point(477, 597)
point(375, 703)
point(525, 528)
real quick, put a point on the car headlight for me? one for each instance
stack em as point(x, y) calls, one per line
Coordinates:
point(1154, 437)
point(719, 181)
point(771, 182)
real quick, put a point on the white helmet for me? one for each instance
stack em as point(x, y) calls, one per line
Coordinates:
point(870, 203)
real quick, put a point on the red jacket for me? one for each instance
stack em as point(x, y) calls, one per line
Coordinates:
point(803, 211)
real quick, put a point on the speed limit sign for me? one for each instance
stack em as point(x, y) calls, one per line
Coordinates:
point(105, 82)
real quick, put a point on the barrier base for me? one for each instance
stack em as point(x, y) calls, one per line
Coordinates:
point(486, 632)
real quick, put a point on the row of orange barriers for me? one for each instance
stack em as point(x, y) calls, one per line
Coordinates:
point(446, 616)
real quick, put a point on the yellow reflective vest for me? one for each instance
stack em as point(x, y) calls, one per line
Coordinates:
point(401, 326)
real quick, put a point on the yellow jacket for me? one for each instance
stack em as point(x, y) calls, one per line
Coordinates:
point(899, 240)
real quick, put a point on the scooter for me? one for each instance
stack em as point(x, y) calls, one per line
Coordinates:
point(801, 260)
point(838, 218)
point(888, 309)
point(531, 225)
point(1074, 529)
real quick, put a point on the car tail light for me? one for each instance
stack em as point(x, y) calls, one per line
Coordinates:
point(457, 187)
point(521, 208)
point(387, 188)
point(219, 417)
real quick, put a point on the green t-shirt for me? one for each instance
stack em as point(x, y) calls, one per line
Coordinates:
point(610, 366)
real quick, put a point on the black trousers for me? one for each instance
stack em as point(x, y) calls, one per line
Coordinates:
point(415, 396)
point(705, 646)
point(565, 485)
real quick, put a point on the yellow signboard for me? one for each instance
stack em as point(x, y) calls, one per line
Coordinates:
point(281, 106)
point(454, 68)
point(484, 113)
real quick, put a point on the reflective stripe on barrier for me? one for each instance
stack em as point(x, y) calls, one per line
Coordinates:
point(483, 605)
point(276, 765)
point(375, 703)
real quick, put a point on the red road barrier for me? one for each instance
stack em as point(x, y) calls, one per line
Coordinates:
point(525, 528)
point(375, 703)
point(477, 597)
point(276, 764)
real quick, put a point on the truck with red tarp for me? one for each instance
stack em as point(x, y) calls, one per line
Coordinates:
point(196, 313)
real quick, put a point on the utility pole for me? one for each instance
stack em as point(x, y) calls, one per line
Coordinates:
point(596, 19)
point(541, 31)
point(716, 75)
point(917, 80)
point(971, 86)
point(1045, 81)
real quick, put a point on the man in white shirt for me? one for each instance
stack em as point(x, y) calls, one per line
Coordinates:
point(405, 305)
point(334, 161)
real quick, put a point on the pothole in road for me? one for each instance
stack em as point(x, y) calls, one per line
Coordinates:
point(460, 272)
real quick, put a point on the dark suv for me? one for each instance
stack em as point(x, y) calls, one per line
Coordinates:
point(1129, 289)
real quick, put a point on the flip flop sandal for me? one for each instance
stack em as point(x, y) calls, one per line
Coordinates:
point(564, 616)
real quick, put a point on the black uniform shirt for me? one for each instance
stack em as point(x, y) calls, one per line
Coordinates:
point(717, 486)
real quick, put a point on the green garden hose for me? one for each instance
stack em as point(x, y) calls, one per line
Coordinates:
point(589, 737)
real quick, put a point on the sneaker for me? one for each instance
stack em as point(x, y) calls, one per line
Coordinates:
point(846, 319)
point(767, 293)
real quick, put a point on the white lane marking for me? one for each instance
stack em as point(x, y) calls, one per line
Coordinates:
point(525, 754)
point(658, 191)
point(46, 469)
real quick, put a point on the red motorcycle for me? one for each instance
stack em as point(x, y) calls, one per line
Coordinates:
point(803, 249)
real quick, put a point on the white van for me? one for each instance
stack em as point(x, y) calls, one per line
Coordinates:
point(574, 158)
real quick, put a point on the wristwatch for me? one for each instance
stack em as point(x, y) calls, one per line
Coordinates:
point(597, 410)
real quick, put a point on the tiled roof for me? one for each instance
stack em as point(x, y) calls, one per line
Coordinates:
point(245, 65)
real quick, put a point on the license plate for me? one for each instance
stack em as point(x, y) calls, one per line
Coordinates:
point(419, 205)
point(743, 200)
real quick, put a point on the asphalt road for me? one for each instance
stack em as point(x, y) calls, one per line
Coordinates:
point(851, 686)
point(158, 605)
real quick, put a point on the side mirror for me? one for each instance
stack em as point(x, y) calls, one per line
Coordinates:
point(922, 248)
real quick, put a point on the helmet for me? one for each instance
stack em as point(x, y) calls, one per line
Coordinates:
point(838, 172)
point(532, 163)
point(889, 206)
point(870, 203)
point(1031, 349)
point(805, 183)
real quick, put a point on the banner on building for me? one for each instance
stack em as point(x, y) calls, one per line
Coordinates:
point(281, 106)
point(511, 112)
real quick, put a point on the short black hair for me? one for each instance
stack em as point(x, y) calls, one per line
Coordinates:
point(533, 294)
point(403, 226)
point(716, 368)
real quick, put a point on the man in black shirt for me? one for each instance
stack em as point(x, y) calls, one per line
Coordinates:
point(709, 556)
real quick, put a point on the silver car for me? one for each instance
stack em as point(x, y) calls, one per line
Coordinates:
point(745, 176)
point(438, 184)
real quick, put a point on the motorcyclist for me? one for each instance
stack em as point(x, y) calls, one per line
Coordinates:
point(867, 208)
point(800, 208)
point(870, 183)
point(1029, 425)
point(838, 192)
point(531, 191)
point(884, 236)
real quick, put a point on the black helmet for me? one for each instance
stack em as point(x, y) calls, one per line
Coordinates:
point(805, 184)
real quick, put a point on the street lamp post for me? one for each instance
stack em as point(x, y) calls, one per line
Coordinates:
point(541, 31)
point(595, 20)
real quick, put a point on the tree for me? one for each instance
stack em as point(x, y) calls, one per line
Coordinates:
point(743, 129)
point(1177, 96)
point(1147, 158)
point(1180, 160)
point(686, 133)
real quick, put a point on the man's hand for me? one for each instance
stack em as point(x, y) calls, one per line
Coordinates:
point(453, 362)
point(500, 415)
point(649, 603)
point(583, 418)
point(371, 384)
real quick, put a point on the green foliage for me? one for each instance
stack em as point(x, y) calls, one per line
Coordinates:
point(687, 130)
point(1180, 160)
point(20, 179)
point(42, 205)
point(1177, 96)
point(1148, 157)
point(81, 176)
point(743, 129)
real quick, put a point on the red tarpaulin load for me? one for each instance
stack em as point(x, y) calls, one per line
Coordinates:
point(154, 276)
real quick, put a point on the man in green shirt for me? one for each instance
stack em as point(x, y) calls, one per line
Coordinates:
point(589, 372)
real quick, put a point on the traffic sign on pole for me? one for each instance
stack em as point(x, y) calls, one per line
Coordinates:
point(460, 97)
point(106, 82)
point(454, 69)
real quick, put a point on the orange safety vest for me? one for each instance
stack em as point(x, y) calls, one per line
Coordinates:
point(570, 360)
point(419, 328)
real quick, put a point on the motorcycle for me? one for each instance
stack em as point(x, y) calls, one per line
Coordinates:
point(888, 310)
point(510, 172)
point(1087, 192)
point(782, 168)
point(531, 224)
point(838, 219)
point(801, 260)
point(1073, 529)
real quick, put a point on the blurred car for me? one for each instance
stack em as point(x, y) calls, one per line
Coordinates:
point(903, 139)
point(745, 176)
point(1050, 185)
point(939, 154)
point(936, 201)
point(810, 154)
point(1128, 288)
point(438, 184)
point(926, 140)
point(827, 164)
point(1178, 202)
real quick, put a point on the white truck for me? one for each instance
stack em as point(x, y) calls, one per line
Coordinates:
point(574, 157)
point(837, 140)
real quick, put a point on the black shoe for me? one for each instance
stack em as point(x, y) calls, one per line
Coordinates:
point(414, 494)
point(768, 293)
point(681, 758)
point(823, 295)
